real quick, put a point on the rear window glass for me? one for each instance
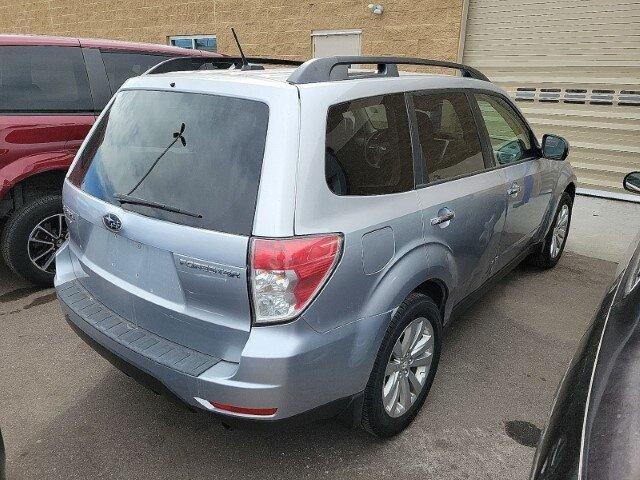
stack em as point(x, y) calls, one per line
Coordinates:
point(198, 153)
point(368, 147)
point(43, 79)
point(121, 66)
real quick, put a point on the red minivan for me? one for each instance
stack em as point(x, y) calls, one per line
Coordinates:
point(51, 91)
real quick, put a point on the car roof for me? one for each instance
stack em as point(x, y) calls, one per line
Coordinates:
point(57, 41)
point(269, 74)
point(39, 40)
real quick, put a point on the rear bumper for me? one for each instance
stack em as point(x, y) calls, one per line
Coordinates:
point(347, 408)
point(290, 367)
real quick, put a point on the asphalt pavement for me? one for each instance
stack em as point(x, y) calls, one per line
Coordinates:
point(67, 413)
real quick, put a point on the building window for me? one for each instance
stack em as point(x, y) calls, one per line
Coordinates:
point(200, 42)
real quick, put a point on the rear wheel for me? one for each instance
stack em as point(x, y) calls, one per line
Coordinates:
point(553, 245)
point(405, 367)
point(32, 236)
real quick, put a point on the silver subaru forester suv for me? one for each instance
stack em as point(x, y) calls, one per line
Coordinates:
point(271, 244)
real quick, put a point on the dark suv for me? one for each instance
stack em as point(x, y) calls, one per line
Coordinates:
point(51, 91)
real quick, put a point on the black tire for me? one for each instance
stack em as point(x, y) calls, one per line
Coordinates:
point(543, 257)
point(15, 236)
point(375, 418)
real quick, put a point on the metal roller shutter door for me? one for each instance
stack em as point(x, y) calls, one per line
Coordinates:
point(574, 68)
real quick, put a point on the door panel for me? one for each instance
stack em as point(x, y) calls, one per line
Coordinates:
point(472, 237)
point(33, 143)
point(79, 131)
point(46, 109)
point(528, 187)
point(464, 206)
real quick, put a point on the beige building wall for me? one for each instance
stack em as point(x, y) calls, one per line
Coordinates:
point(426, 28)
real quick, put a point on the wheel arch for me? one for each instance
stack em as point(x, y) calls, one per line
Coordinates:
point(566, 184)
point(428, 269)
point(571, 190)
point(437, 290)
point(26, 188)
point(16, 239)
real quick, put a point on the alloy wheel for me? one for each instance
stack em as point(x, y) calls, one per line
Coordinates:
point(45, 240)
point(408, 367)
point(559, 231)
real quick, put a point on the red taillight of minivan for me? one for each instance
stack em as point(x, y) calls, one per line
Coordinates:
point(287, 274)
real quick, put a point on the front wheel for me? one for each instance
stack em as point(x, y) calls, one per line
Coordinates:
point(32, 236)
point(553, 245)
point(404, 368)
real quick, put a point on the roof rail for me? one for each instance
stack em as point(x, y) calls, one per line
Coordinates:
point(181, 64)
point(336, 68)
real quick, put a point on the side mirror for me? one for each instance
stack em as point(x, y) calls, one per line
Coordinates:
point(632, 182)
point(554, 147)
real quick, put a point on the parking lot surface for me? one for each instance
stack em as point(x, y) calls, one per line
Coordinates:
point(67, 413)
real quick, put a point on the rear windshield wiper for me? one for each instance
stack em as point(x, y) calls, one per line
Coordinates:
point(147, 203)
point(176, 136)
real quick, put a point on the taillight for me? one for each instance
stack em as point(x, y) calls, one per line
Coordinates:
point(287, 273)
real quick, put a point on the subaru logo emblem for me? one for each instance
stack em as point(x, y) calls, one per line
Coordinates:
point(112, 222)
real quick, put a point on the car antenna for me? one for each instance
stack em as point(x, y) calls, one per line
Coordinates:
point(245, 63)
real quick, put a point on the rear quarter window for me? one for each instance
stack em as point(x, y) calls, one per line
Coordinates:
point(121, 66)
point(44, 79)
point(198, 153)
point(368, 147)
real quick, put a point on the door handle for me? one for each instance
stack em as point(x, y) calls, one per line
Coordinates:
point(444, 217)
point(514, 189)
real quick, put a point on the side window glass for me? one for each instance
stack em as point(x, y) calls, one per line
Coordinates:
point(43, 79)
point(448, 135)
point(368, 147)
point(509, 136)
point(121, 66)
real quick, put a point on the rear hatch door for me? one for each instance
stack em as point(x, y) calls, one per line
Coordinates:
point(164, 193)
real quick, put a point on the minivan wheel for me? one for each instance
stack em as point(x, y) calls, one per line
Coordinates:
point(32, 236)
point(404, 368)
point(551, 249)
